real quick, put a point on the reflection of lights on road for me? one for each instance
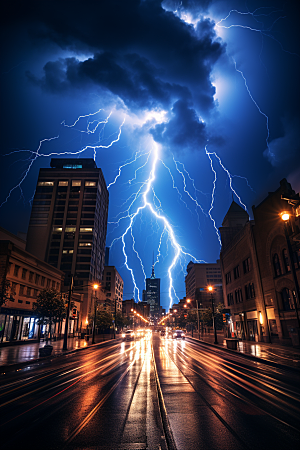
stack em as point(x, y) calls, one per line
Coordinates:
point(122, 350)
point(131, 355)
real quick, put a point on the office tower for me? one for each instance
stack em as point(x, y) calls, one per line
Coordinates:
point(152, 295)
point(113, 287)
point(68, 223)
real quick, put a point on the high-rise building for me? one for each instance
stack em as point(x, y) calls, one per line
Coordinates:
point(68, 223)
point(152, 294)
point(113, 288)
point(199, 277)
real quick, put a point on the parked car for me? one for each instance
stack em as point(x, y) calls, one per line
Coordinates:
point(178, 334)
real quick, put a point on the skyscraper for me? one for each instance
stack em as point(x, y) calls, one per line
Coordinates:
point(68, 222)
point(152, 294)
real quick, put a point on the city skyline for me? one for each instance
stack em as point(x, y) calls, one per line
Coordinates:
point(183, 92)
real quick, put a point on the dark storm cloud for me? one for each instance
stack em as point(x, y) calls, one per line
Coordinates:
point(184, 129)
point(141, 52)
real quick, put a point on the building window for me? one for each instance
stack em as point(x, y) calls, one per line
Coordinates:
point(230, 299)
point(43, 281)
point(286, 260)
point(63, 183)
point(76, 183)
point(27, 302)
point(16, 271)
point(45, 183)
point(37, 278)
point(249, 291)
point(86, 230)
point(48, 283)
point(246, 265)
point(236, 272)
point(85, 244)
point(21, 290)
point(24, 271)
point(90, 183)
point(57, 229)
point(276, 265)
point(228, 277)
point(28, 293)
point(13, 288)
point(70, 229)
point(53, 284)
point(238, 296)
point(20, 301)
point(35, 293)
point(31, 276)
point(287, 299)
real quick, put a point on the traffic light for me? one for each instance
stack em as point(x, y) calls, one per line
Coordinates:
point(74, 312)
point(224, 318)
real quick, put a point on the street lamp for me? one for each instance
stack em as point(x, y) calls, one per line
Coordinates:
point(65, 346)
point(285, 216)
point(210, 288)
point(95, 311)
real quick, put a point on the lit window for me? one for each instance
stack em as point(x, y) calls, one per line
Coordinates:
point(45, 183)
point(86, 230)
point(57, 229)
point(85, 244)
point(70, 229)
point(90, 183)
point(63, 183)
point(76, 183)
point(73, 166)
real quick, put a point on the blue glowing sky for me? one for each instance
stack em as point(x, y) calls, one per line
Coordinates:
point(206, 88)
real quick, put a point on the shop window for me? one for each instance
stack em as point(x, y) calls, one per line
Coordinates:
point(287, 299)
point(276, 265)
point(286, 260)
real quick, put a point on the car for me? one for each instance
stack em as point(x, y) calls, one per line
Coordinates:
point(128, 335)
point(178, 334)
point(163, 332)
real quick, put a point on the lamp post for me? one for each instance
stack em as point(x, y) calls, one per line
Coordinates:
point(285, 216)
point(65, 346)
point(95, 311)
point(210, 288)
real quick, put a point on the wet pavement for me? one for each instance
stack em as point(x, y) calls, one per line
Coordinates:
point(20, 353)
point(289, 356)
point(273, 353)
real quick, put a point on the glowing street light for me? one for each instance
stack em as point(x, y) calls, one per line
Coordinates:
point(210, 289)
point(95, 286)
point(285, 216)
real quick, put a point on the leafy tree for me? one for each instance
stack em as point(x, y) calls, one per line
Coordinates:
point(49, 307)
point(5, 291)
point(103, 320)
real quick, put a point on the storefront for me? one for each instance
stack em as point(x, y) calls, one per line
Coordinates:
point(17, 325)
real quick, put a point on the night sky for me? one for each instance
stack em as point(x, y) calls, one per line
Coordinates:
point(202, 98)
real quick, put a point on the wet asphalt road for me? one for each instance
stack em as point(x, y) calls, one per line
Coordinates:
point(107, 397)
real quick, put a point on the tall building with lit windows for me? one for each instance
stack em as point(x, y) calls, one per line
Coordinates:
point(152, 295)
point(68, 223)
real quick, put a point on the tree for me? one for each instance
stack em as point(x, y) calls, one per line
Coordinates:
point(49, 307)
point(103, 320)
point(5, 291)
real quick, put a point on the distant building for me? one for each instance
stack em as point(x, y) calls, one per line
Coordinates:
point(68, 223)
point(259, 283)
point(27, 276)
point(152, 295)
point(198, 278)
point(113, 287)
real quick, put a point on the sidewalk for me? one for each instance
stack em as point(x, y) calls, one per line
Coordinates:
point(273, 353)
point(20, 353)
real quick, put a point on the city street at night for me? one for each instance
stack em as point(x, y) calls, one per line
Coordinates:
point(151, 393)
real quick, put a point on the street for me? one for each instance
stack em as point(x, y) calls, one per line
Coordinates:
point(152, 393)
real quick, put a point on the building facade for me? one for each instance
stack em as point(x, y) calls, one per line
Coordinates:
point(113, 287)
point(152, 295)
point(198, 278)
point(68, 224)
point(259, 282)
point(27, 276)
